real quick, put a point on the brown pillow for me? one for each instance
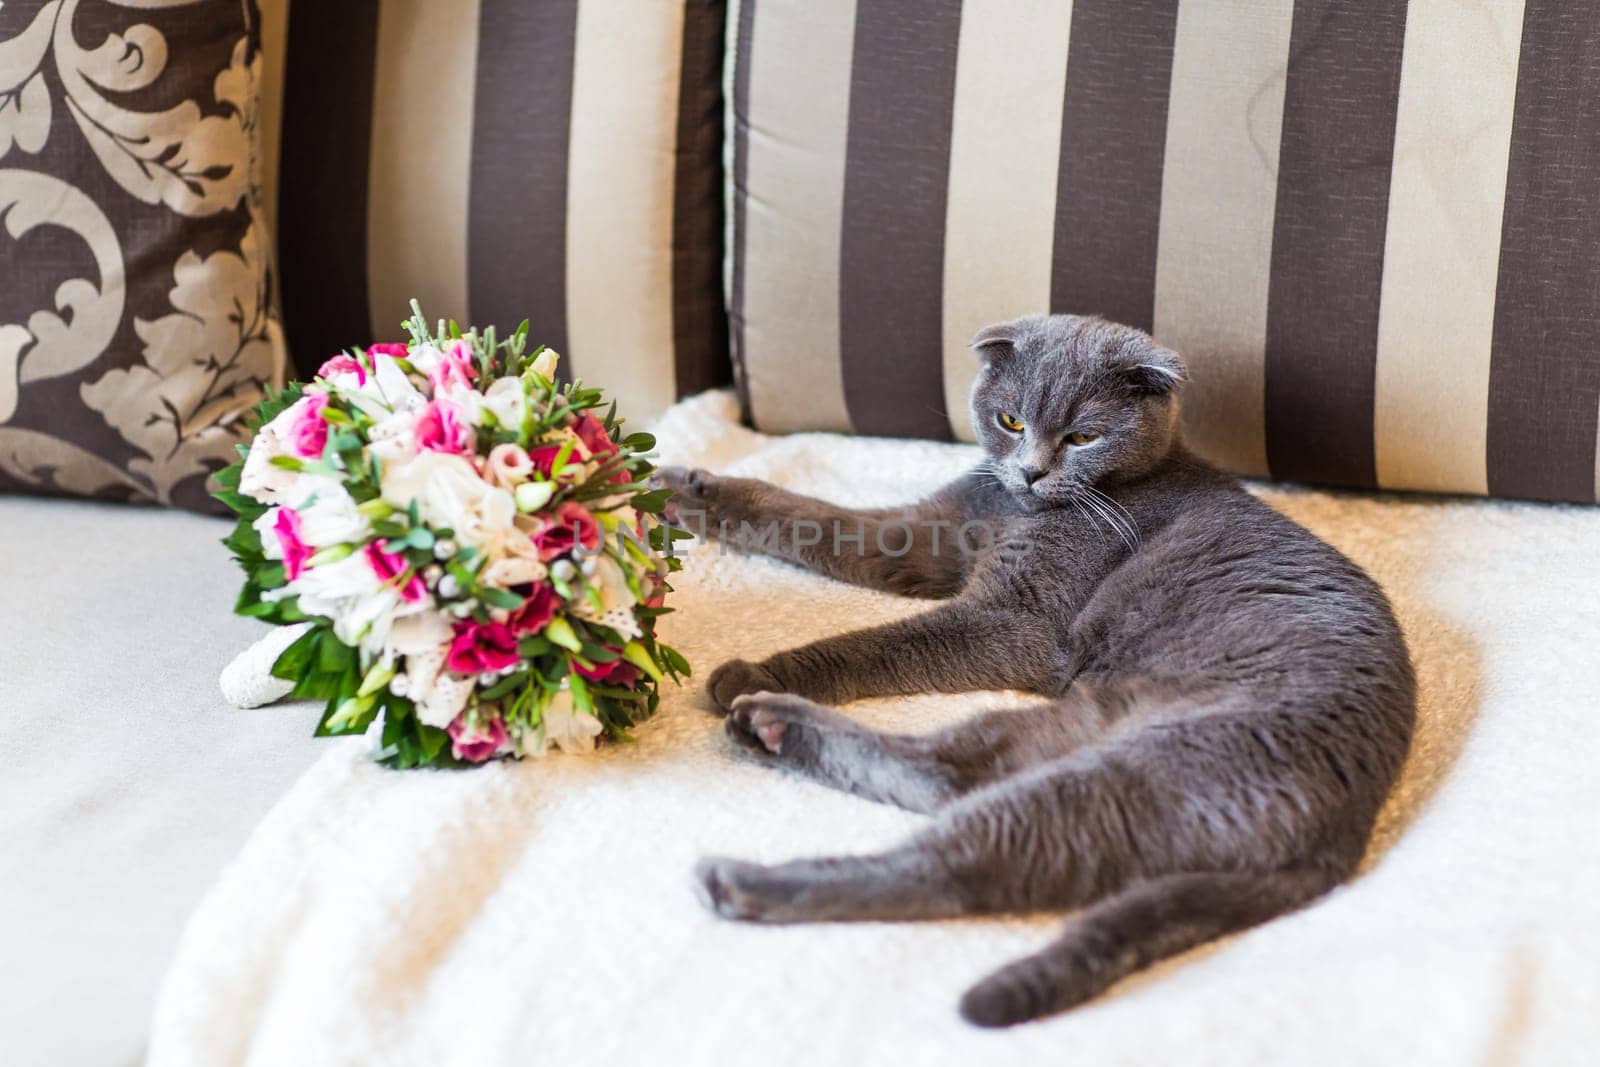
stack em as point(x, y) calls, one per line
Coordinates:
point(1373, 230)
point(137, 312)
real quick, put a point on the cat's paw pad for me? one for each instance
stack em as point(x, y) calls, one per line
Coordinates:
point(737, 677)
point(691, 487)
point(727, 887)
point(772, 724)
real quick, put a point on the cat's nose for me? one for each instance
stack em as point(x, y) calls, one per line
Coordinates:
point(1033, 474)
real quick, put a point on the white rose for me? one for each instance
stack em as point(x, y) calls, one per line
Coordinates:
point(424, 358)
point(349, 592)
point(328, 514)
point(393, 438)
point(260, 479)
point(518, 568)
point(616, 599)
point(439, 695)
point(545, 365)
point(419, 634)
point(445, 700)
point(565, 727)
point(394, 386)
point(445, 486)
point(504, 400)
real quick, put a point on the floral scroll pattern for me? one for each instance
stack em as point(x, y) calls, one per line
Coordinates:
point(138, 315)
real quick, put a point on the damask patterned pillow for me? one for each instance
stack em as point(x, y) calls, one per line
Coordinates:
point(137, 311)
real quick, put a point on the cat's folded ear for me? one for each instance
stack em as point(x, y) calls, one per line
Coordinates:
point(995, 339)
point(1153, 369)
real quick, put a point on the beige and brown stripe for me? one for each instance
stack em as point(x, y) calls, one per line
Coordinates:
point(496, 160)
point(1374, 233)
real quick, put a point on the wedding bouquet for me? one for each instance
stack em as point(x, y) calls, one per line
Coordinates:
point(479, 556)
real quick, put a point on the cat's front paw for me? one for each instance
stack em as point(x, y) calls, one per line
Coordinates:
point(693, 491)
point(737, 677)
point(736, 889)
point(780, 727)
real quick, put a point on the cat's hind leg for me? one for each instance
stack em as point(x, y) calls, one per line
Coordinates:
point(1148, 921)
point(916, 772)
point(1026, 842)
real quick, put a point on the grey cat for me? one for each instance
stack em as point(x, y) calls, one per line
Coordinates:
point(1232, 697)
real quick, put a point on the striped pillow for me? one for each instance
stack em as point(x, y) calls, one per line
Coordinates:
point(559, 160)
point(1374, 229)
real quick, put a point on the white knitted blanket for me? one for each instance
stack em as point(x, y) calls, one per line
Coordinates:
point(541, 912)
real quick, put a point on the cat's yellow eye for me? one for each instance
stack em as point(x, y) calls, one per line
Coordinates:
point(1010, 422)
point(1082, 438)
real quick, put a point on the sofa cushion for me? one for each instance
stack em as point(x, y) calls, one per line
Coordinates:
point(557, 161)
point(1374, 230)
point(137, 311)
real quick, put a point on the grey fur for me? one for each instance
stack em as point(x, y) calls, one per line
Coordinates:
point(1233, 697)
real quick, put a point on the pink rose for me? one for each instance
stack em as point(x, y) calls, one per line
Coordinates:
point(478, 739)
point(536, 612)
point(618, 672)
point(508, 465)
point(392, 349)
point(295, 551)
point(391, 568)
point(481, 646)
point(572, 525)
point(543, 459)
point(592, 432)
point(308, 433)
point(440, 428)
point(453, 369)
point(343, 364)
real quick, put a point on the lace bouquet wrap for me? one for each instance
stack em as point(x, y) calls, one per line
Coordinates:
point(475, 549)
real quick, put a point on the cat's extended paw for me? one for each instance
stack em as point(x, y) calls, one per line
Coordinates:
point(779, 726)
point(736, 889)
point(737, 677)
point(692, 493)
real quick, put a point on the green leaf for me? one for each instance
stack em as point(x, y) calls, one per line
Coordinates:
point(504, 686)
point(560, 632)
point(288, 463)
point(331, 554)
point(293, 662)
point(352, 716)
point(228, 477)
point(433, 741)
point(652, 501)
point(636, 654)
point(617, 693)
point(530, 647)
point(499, 598)
point(378, 676)
point(674, 659)
point(580, 694)
point(241, 505)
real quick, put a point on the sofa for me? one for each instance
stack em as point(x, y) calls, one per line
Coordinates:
point(769, 227)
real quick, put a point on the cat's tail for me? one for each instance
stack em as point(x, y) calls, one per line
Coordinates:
point(1147, 922)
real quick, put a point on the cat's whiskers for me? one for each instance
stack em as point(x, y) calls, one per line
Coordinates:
point(1078, 506)
point(1117, 508)
point(1111, 520)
